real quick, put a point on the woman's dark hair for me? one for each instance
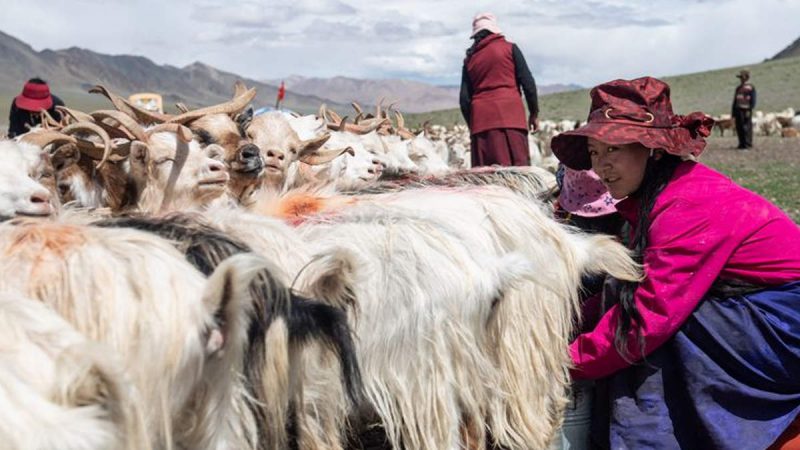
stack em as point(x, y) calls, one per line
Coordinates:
point(657, 175)
point(37, 80)
point(479, 36)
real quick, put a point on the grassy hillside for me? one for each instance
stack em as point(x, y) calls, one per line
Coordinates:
point(777, 83)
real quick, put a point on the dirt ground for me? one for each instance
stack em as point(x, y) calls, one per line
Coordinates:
point(771, 168)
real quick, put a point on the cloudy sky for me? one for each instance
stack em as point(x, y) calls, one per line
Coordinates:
point(564, 41)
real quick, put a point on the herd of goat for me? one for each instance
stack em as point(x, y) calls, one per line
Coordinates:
point(214, 280)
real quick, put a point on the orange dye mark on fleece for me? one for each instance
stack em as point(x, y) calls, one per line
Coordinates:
point(48, 238)
point(296, 208)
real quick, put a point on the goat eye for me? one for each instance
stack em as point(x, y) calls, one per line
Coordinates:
point(158, 162)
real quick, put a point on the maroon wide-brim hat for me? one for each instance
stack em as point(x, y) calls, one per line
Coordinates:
point(34, 97)
point(633, 111)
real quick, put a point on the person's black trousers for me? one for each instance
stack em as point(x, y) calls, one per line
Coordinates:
point(744, 127)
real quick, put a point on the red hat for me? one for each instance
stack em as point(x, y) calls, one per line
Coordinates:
point(633, 111)
point(34, 97)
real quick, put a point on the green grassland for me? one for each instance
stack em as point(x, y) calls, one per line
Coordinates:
point(777, 84)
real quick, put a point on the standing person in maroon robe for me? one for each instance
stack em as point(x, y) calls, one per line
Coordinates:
point(494, 71)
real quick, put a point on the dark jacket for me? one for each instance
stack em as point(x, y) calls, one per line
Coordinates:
point(490, 86)
point(19, 118)
point(744, 98)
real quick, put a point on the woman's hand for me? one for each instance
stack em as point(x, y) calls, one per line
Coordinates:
point(533, 124)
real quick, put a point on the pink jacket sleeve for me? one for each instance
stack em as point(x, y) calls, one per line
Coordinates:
point(687, 250)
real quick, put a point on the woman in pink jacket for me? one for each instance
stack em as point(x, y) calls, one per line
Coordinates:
point(703, 352)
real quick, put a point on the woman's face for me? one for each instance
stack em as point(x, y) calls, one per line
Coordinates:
point(620, 167)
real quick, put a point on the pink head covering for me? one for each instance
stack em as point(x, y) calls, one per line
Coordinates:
point(485, 21)
point(583, 194)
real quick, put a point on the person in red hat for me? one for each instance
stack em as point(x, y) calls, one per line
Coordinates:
point(25, 108)
point(704, 351)
point(493, 73)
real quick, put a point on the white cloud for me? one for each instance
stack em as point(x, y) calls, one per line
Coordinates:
point(565, 41)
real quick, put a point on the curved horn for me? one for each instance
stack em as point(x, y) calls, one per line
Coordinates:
point(44, 138)
point(364, 129)
point(77, 116)
point(401, 127)
point(182, 107)
point(323, 112)
point(401, 122)
point(369, 123)
point(239, 89)
point(140, 114)
point(124, 120)
point(93, 128)
point(357, 107)
point(389, 109)
point(47, 120)
point(232, 107)
point(327, 156)
point(378, 108)
point(335, 118)
point(183, 133)
point(181, 155)
point(340, 127)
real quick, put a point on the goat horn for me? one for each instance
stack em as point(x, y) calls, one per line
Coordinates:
point(335, 118)
point(327, 156)
point(47, 120)
point(401, 122)
point(405, 134)
point(378, 108)
point(239, 89)
point(357, 107)
point(401, 127)
point(94, 128)
point(340, 127)
point(183, 133)
point(323, 112)
point(232, 107)
point(181, 155)
point(124, 120)
point(44, 138)
point(121, 104)
point(182, 107)
point(389, 109)
point(364, 129)
point(77, 116)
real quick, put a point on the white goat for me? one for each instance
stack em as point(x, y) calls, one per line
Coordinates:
point(26, 181)
point(58, 389)
point(180, 335)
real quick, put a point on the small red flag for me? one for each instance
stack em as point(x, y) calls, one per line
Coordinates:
point(281, 91)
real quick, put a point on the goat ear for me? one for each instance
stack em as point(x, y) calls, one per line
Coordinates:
point(227, 299)
point(140, 153)
point(243, 120)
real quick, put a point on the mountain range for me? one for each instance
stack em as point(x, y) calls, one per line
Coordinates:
point(790, 51)
point(72, 71)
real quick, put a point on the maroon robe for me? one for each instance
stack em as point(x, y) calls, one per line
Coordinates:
point(497, 121)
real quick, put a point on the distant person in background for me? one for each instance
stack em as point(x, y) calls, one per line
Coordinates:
point(744, 101)
point(494, 71)
point(25, 108)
